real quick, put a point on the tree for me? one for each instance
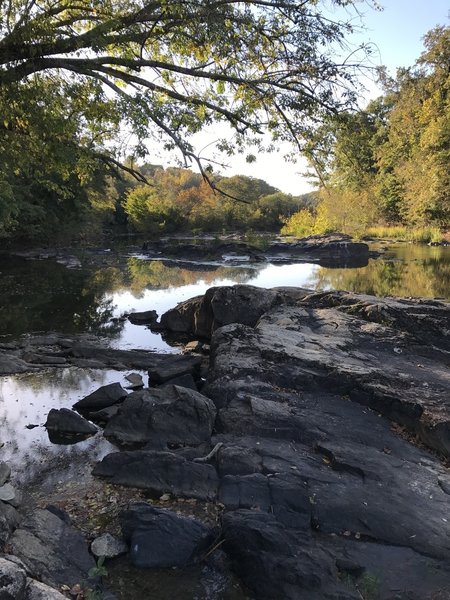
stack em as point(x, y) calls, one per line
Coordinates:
point(167, 68)
point(389, 162)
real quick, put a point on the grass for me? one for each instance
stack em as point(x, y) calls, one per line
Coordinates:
point(419, 234)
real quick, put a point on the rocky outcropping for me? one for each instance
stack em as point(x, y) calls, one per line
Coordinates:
point(328, 250)
point(318, 396)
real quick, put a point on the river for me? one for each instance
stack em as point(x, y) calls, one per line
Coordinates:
point(43, 295)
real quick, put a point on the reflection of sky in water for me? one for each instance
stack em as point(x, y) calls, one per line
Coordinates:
point(138, 336)
point(27, 399)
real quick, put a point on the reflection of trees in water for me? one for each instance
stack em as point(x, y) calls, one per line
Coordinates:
point(46, 296)
point(155, 274)
point(423, 277)
point(60, 380)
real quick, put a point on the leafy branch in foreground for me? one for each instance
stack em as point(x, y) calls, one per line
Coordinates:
point(168, 68)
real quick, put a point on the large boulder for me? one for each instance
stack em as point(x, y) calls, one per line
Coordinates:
point(200, 316)
point(159, 473)
point(53, 551)
point(163, 418)
point(160, 538)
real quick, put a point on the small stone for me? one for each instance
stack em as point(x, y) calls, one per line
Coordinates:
point(108, 546)
point(7, 492)
point(165, 498)
point(135, 380)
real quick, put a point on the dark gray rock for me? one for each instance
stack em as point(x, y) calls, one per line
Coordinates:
point(9, 519)
point(299, 397)
point(200, 316)
point(275, 562)
point(174, 366)
point(105, 414)
point(104, 396)
point(163, 418)
point(53, 552)
point(143, 318)
point(181, 319)
point(12, 581)
point(160, 538)
point(186, 381)
point(159, 473)
point(64, 420)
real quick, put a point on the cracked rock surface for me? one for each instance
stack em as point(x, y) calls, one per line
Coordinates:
point(323, 498)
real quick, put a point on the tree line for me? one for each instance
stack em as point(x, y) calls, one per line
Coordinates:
point(387, 164)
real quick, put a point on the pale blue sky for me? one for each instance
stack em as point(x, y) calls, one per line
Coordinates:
point(399, 28)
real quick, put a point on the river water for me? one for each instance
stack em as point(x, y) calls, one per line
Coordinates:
point(42, 296)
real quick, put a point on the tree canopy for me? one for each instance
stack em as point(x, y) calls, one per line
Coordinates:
point(84, 84)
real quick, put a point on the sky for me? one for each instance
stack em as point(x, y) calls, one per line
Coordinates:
point(396, 33)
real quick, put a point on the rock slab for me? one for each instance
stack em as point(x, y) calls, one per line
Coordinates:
point(160, 538)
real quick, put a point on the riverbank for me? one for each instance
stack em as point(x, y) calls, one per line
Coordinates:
point(298, 444)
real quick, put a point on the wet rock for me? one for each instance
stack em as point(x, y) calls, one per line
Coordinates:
point(104, 396)
point(53, 552)
point(36, 590)
point(174, 366)
point(135, 380)
point(160, 538)
point(108, 546)
point(143, 318)
point(5, 472)
point(12, 581)
point(159, 473)
point(163, 418)
point(64, 420)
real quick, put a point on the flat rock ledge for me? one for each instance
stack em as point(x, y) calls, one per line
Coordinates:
point(317, 398)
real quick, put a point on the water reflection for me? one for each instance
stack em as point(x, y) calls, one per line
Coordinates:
point(46, 296)
point(26, 400)
point(403, 270)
